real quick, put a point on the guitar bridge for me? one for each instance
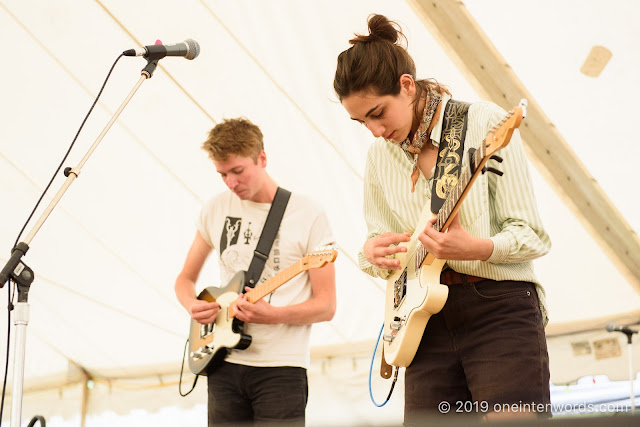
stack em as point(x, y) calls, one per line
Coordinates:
point(206, 330)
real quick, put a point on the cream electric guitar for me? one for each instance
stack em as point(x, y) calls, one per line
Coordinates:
point(209, 344)
point(414, 293)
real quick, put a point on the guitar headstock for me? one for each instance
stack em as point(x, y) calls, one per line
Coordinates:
point(319, 259)
point(500, 135)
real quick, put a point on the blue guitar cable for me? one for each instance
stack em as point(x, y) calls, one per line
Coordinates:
point(395, 376)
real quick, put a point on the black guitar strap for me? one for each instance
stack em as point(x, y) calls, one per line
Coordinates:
point(268, 235)
point(450, 152)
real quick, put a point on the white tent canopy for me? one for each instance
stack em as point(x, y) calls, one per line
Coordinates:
point(102, 305)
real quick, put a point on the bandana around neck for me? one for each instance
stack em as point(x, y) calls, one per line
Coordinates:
point(412, 148)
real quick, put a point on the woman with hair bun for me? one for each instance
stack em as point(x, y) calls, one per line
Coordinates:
point(485, 352)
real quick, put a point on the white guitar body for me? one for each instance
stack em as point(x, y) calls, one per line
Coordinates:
point(225, 335)
point(409, 305)
point(210, 343)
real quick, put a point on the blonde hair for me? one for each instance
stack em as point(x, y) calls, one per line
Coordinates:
point(238, 137)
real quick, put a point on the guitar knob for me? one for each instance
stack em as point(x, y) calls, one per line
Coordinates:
point(388, 337)
point(395, 325)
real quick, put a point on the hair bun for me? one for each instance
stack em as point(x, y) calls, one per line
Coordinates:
point(380, 28)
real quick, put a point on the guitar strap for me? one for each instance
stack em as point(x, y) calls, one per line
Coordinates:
point(268, 235)
point(450, 152)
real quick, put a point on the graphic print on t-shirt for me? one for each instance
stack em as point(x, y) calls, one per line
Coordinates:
point(248, 234)
point(237, 243)
point(229, 235)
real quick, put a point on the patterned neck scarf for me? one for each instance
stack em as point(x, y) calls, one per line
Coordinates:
point(412, 148)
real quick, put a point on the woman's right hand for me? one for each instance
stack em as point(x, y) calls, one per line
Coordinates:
point(204, 312)
point(376, 249)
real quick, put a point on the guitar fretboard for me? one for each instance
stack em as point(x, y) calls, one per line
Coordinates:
point(273, 283)
point(453, 199)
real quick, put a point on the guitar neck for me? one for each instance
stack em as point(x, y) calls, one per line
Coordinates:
point(454, 200)
point(311, 260)
point(498, 137)
point(459, 192)
point(275, 282)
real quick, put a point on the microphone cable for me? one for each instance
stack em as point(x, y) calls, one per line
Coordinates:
point(35, 419)
point(68, 151)
point(64, 159)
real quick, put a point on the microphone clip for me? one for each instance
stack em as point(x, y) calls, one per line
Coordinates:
point(148, 70)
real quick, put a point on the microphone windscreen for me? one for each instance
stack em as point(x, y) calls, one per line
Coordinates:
point(193, 49)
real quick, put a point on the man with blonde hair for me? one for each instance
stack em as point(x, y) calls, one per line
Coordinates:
point(266, 382)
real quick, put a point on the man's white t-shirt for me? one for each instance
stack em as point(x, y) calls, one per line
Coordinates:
point(232, 227)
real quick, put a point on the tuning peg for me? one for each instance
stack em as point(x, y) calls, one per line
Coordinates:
point(494, 170)
point(496, 158)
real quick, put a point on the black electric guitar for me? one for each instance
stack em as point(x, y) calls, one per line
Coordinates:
point(209, 344)
point(414, 293)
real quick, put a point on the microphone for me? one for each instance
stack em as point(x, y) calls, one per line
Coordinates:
point(188, 48)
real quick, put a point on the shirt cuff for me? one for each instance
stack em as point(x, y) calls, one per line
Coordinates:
point(371, 269)
point(502, 243)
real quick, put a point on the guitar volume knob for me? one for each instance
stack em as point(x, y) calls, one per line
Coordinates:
point(396, 325)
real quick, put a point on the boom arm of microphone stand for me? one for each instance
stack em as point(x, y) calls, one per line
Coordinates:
point(23, 275)
point(14, 268)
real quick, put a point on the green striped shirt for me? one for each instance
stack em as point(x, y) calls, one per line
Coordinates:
point(502, 209)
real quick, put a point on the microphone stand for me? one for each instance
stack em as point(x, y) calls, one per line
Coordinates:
point(18, 271)
point(629, 333)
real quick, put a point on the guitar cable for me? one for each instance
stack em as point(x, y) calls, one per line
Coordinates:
point(395, 375)
point(184, 352)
